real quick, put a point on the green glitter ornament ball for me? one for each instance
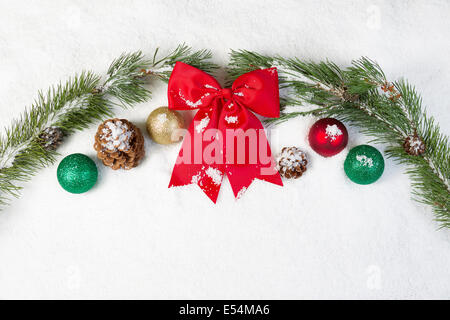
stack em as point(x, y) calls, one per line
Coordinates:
point(77, 173)
point(364, 164)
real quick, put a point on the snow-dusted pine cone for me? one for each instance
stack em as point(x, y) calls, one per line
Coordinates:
point(51, 138)
point(291, 163)
point(414, 145)
point(119, 144)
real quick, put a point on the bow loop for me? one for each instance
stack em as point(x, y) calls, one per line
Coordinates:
point(258, 91)
point(191, 88)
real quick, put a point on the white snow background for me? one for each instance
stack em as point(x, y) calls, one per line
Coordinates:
point(321, 236)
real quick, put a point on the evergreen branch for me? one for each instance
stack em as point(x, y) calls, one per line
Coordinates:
point(162, 67)
point(76, 104)
point(69, 106)
point(360, 95)
point(125, 82)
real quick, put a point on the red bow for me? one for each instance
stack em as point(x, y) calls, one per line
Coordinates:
point(224, 137)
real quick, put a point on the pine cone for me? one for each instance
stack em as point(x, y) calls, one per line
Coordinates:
point(51, 137)
point(291, 163)
point(119, 144)
point(414, 145)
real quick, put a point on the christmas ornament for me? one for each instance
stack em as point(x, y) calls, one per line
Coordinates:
point(291, 163)
point(162, 125)
point(51, 138)
point(414, 145)
point(210, 150)
point(364, 164)
point(328, 137)
point(119, 144)
point(77, 173)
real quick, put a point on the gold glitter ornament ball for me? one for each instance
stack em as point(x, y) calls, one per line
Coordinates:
point(162, 125)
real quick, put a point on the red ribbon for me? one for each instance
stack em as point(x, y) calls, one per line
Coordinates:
point(224, 136)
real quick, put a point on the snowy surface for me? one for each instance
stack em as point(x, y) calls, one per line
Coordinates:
point(131, 237)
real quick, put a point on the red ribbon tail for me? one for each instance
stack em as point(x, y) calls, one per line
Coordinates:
point(241, 177)
point(262, 167)
point(208, 178)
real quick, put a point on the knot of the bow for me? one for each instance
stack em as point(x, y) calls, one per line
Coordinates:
point(227, 93)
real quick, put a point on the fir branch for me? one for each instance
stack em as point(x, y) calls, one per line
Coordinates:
point(125, 82)
point(162, 66)
point(76, 104)
point(68, 106)
point(361, 95)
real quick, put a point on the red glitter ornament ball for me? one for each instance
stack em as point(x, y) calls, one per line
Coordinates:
point(328, 137)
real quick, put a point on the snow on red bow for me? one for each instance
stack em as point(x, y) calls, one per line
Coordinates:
point(224, 136)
